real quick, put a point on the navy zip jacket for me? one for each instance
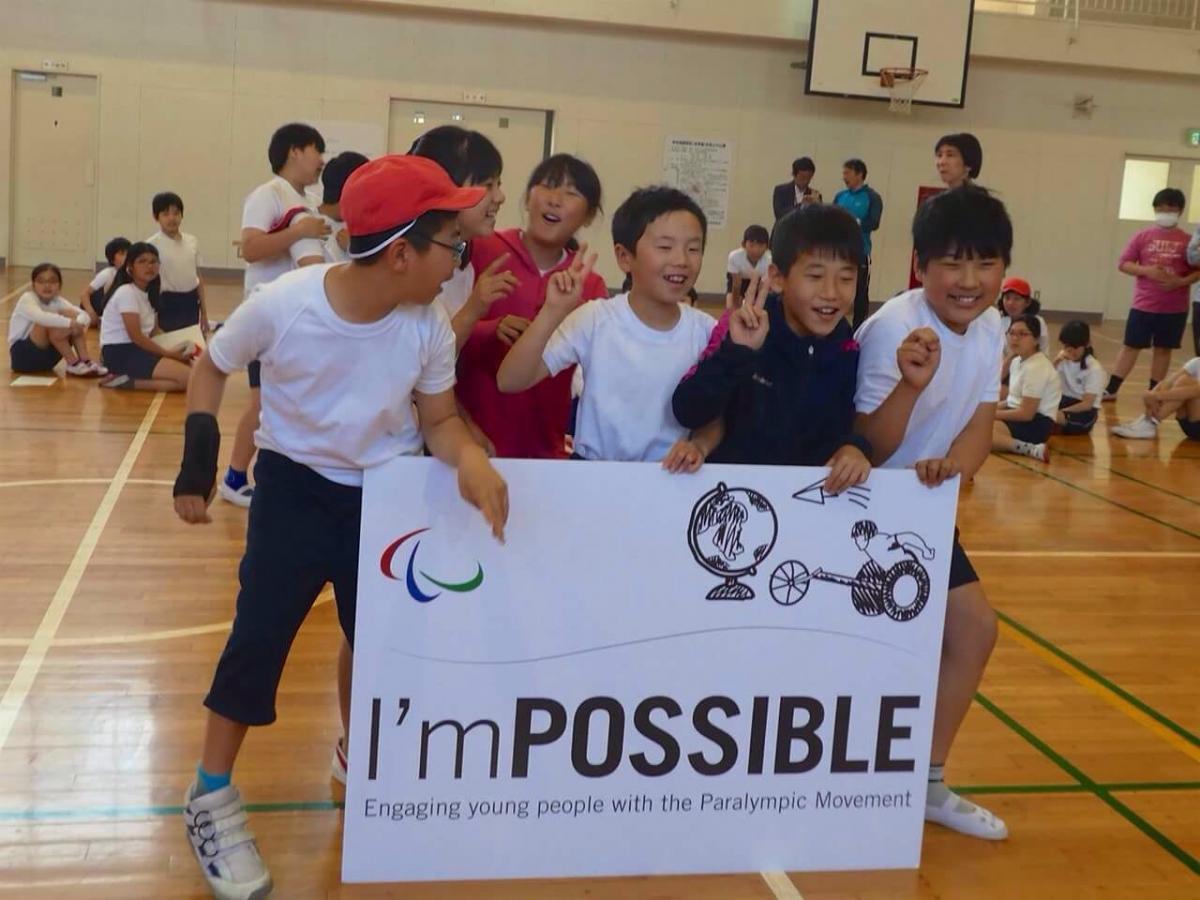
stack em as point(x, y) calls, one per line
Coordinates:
point(791, 403)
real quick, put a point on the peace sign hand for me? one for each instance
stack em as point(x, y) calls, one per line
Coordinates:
point(565, 288)
point(749, 323)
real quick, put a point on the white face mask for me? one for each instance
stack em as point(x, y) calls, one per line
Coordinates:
point(1166, 219)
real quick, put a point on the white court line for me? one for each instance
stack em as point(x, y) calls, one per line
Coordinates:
point(35, 653)
point(37, 482)
point(14, 294)
point(781, 886)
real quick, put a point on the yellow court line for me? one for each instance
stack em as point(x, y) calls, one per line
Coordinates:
point(9, 296)
point(35, 653)
point(40, 482)
point(781, 886)
point(1114, 700)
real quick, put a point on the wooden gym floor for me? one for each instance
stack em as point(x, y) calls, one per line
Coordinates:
point(1084, 737)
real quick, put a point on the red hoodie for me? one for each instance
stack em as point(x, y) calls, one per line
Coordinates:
point(533, 423)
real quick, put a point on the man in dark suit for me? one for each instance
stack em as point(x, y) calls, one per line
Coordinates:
point(798, 191)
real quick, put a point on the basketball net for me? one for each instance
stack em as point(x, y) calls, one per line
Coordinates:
point(902, 84)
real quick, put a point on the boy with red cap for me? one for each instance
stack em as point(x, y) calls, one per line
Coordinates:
point(346, 350)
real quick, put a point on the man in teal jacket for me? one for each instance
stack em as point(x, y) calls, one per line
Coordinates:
point(862, 202)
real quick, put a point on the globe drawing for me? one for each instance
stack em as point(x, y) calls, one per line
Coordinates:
point(731, 532)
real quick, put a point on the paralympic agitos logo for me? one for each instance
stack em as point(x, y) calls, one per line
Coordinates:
point(411, 571)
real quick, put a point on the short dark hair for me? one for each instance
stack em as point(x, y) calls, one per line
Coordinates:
point(1076, 333)
point(45, 267)
point(556, 170)
point(1173, 197)
point(293, 135)
point(816, 228)
point(418, 236)
point(864, 528)
point(1030, 321)
point(644, 206)
point(803, 164)
point(966, 221)
point(115, 246)
point(164, 201)
point(467, 156)
point(335, 173)
point(756, 234)
point(857, 165)
point(968, 147)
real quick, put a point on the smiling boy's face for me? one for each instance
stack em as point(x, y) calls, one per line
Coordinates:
point(961, 289)
point(818, 292)
point(668, 258)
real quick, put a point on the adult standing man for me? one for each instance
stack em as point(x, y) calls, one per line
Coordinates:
point(798, 191)
point(864, 203)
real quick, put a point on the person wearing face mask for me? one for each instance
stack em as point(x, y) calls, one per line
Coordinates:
point(1157, 259)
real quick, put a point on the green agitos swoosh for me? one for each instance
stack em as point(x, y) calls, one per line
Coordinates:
point(464, 587)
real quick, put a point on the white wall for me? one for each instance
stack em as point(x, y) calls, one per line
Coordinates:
point(190, 92)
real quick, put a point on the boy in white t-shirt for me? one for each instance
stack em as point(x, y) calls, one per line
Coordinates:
point(181, 296)
point(94, 295)
point(963, 241)
point(1176, 395)
point(634, 348)
point(750, 259)
point(333, 179)
point(365, 338)
point(279, 233)
point(1025, 421)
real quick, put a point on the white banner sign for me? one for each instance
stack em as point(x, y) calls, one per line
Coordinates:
point(728, 671)
point(700, 167)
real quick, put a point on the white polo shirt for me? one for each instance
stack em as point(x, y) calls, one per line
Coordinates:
point(264, 209)
point(178, 261)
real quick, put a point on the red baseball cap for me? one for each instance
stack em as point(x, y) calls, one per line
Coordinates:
point(382, 199)
point(1017, 286)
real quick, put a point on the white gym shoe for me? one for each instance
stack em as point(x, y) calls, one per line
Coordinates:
point(81, 368)
point(241, 497)
point(1142, 427)
point(338, 765)
point(96, 368)
point(224, 847)
point(961, 815)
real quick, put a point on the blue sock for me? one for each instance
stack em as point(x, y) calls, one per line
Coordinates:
point(206, 783)
point(235, 479)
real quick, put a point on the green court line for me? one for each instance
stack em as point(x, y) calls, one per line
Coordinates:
point(1108, 500)
point(142, 812)
point(1154, 487)
point(1100, 679)
point(1102, 792)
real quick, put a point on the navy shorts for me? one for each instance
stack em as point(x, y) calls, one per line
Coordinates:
point(302, 534)
point(961, 570)
point(1077, 422)
point(1036, 431)
point(254, 374)
point(1148, 329)
point(178, 309)
point(1191, 427)
point(129, 359)
point(26, 356)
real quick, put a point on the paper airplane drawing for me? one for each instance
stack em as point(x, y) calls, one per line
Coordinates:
point(859, 495)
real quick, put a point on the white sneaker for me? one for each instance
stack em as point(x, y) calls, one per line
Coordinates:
point(96, 368)
point(337, 765)
point(241, 497)
point(963, 816)
point(1142, 427)
point(81, 368)
point(224, 848)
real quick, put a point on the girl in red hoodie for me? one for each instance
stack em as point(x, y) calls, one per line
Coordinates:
point(563, 196)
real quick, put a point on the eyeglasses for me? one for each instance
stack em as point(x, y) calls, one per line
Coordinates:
point(458, 248)
point(1020, 334)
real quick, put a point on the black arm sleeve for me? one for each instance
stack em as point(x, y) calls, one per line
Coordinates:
point(703, 397)
point(201, 445)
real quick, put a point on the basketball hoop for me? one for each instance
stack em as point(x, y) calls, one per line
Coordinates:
point(902, 83)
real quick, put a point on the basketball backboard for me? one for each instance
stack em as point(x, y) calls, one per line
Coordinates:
point(851, 40)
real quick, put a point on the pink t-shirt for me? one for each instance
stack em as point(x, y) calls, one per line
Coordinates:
point(1167, 249)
